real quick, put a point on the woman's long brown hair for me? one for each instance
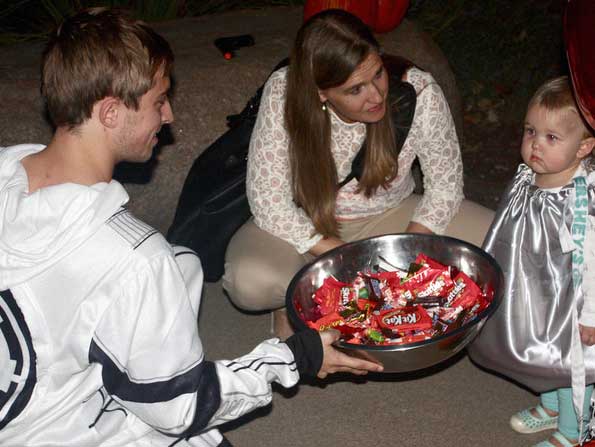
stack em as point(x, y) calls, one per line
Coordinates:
point(327, 50)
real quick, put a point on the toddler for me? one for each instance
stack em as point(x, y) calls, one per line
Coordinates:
point(542, 237)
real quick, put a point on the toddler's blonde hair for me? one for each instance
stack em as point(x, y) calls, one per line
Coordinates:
point(556, 95)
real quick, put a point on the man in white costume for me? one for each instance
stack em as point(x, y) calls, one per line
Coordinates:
point(99, 343)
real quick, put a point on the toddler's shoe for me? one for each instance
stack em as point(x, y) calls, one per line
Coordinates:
point(525, 422)
point(562, 440)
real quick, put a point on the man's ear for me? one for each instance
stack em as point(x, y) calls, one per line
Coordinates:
point(586, 147)
point(109, 110)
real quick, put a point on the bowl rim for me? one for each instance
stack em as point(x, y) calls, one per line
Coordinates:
point(481, 317)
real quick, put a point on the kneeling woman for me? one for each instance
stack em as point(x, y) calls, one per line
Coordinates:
point(315, 116)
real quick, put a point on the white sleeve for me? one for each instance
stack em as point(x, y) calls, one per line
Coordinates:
point(587, 317)
point(153, 361)
point(245, 383)
point(268, 182)
point(437, 148)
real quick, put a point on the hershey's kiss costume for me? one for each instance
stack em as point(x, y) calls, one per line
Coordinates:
point(534, 237)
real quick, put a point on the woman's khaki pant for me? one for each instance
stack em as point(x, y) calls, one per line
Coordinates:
point(260, 266)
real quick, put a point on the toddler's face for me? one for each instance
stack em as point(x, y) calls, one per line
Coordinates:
point(551, 145)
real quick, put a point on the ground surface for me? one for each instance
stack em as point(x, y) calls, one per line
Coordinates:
point(490, 158)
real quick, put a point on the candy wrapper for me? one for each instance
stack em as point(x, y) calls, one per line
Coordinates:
point(386, 307)
point(405, 319)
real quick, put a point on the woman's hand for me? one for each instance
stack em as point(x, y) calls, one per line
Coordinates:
point(587, 334)
point(324, 245)
point(336, 361)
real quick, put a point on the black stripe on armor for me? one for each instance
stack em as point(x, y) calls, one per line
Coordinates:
point(186, 252)
point(131, 229)
point(238, 366)
point(18, 347)
point(224, 442)
point(201, 380)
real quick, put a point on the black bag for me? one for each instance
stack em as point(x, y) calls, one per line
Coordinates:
point(213, 203)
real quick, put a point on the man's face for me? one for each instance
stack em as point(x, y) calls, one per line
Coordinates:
point(138, 135)
point(362, 97)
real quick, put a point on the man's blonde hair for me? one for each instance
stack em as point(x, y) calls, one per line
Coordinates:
point(96, 53)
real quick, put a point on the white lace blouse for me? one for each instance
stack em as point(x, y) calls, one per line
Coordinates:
point(432, 139)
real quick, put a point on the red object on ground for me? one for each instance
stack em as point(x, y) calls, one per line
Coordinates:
point(579, 35)
point(380, 15)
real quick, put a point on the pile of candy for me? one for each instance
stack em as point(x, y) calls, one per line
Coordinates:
point(392, 306)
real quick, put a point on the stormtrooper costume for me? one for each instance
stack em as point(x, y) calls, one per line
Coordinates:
point(99, 343)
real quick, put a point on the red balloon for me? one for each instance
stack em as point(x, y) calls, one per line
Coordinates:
point(579, 35)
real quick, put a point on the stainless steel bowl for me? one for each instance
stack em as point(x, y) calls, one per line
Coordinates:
point(400, 250)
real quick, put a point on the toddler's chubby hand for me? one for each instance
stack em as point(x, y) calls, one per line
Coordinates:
point(587, 334)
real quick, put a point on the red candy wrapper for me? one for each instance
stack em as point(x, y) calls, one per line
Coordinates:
point(413, 318)
point(329, 321)
point(423, 259)
point(333, 296)
point(410, 339)
point(431, 278)
point(464, 293)
point(436, 283)
point(337, 321)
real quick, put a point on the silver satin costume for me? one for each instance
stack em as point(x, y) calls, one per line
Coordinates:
point(529, 337)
